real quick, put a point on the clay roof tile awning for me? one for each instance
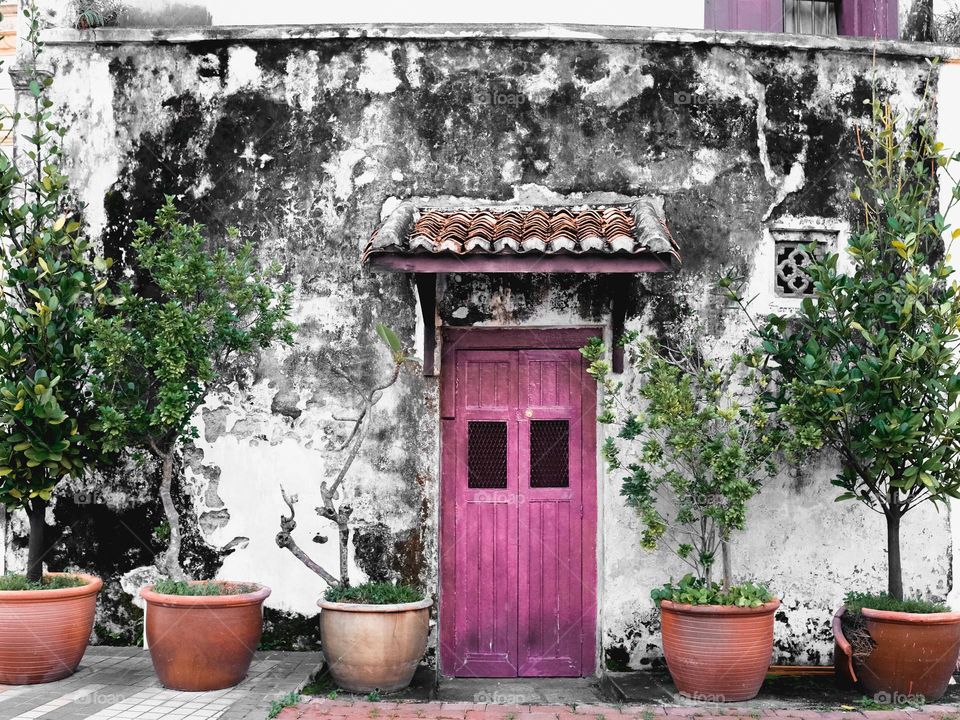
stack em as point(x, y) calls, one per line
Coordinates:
point(621, 238)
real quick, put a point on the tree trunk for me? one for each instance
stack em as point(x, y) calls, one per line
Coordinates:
point(170, 561)
point(727, 565)
point(894, 571)
point(36, 512)
point(344, 553)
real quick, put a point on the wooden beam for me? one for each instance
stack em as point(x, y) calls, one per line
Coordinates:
point(428, 263)
point(511, 338)
point(427, 292)
point(618, 318)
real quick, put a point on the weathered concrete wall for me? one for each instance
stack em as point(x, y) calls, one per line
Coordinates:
point(302, 141)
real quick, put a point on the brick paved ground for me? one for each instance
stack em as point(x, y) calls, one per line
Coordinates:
point(119, 684)
point(323, 709)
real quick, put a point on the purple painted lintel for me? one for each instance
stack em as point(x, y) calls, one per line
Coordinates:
point(401, 262)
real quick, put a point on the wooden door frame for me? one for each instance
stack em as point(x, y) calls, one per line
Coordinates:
point(492, 338)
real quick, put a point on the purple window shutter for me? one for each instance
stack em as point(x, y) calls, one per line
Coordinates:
point(870, 18)
point(748, 15)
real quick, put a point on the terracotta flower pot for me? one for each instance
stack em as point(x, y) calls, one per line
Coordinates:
point(915, 654)
point(203, 642)
point(374, 647)
point(44, 633)
point(717, 653)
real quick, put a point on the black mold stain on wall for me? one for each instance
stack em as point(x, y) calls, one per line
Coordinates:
point(616, 658)
point(289, 631)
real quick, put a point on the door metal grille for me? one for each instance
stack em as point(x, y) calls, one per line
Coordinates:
point(486, 454)
point(549, 453)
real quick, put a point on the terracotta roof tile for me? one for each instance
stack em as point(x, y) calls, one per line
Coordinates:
point(630, 229)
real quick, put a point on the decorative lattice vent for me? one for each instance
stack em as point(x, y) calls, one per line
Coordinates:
point(792, 255)
point(549, 453)
point(486, 454)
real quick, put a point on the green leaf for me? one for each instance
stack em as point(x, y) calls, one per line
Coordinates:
point(389, 338)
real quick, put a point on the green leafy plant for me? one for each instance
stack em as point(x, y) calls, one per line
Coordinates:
point(373, 696)
point(50, 283)
point(691, 590)
point(321, 684)
point(190, 323)
point(857, 601)
point(276, 707)
point(869, 365)
point(166, 586)
point(92, 14)
point(695, 443)
point(335, 506)
point(373, 593)
point(17, 581)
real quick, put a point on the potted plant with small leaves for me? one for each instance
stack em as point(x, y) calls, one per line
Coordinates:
point(190, 323)
point(869, 367)
point(374, 634)
point(694, 443)
point(50, 284)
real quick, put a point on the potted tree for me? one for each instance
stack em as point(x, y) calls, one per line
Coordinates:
point(869, 367)
point(190, 323)
point(49, 286)
point(373, 635)
point(695, 444)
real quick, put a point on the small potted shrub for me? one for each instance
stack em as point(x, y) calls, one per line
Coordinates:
point(190, 323)
point(869, 367)
point(375, 634)
point(50, 284)
point(695, 444)
point(202, 634)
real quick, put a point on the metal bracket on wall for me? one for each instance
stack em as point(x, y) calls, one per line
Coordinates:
point(427, 293)
point(618, 316)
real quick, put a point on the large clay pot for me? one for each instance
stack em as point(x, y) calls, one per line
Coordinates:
point(717, 653)
point(914, 657)
point(203, 642)
point(374, 647)
point(44, 633)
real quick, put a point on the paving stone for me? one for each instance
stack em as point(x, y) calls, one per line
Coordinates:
point(119, 684)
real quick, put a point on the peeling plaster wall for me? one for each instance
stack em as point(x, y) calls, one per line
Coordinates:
point(302, 142)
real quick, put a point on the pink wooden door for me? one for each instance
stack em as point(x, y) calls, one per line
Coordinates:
point(550, 513)
point(518, 547)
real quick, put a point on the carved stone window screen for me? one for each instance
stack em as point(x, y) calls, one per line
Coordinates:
point(792, 255)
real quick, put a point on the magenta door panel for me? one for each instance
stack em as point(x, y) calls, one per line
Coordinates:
point(870, 18)
point(518, 514)
point(550, 622)
point(746, 15)
point(486, 515)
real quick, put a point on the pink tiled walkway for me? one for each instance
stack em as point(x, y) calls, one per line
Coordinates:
point(318, 709)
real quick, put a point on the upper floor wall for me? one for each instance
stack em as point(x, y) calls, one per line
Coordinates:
point(171, 13)
point(865, 18)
